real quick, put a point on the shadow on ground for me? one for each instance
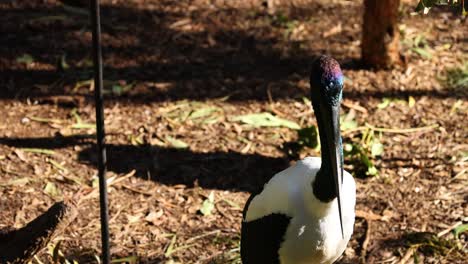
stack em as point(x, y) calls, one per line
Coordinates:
point(216, 170)
point(203, 57)
point(168, 55)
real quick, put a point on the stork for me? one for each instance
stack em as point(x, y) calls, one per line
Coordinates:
point(305, 213)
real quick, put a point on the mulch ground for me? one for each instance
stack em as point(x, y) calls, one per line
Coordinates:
point(177, 75)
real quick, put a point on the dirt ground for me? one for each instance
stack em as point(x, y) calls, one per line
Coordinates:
point(177, 75)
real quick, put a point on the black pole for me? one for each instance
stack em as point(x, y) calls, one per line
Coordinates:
point(100, 133)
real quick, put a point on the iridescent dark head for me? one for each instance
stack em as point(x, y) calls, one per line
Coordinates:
point(326, 80)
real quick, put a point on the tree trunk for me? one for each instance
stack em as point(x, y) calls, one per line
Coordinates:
point(380, 47)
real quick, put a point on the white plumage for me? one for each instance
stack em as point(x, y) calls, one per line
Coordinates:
point(313, 235)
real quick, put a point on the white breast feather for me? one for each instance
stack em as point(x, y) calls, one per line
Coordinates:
point(314, 234)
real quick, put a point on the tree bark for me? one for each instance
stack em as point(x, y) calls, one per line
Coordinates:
point(380, 47)
point(20, 245)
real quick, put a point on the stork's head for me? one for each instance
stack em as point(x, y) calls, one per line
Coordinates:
point(326, 80)
point(326, 84)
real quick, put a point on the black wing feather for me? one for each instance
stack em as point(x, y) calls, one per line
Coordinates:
point(261, 238)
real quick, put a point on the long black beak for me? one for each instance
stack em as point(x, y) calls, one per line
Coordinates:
point(333, 138)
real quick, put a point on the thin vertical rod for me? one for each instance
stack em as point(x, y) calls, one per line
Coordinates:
point(100, 133)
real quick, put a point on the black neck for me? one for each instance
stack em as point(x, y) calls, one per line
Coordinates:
point(323, 188)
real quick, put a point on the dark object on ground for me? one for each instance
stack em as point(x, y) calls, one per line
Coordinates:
point(20, 245)
point(76, 3)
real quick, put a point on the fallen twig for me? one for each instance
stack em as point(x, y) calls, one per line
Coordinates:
point(365, 243)
point(192, 239)
point(271, 103)
point(111, 181)
point(94, 192)
point(409, 253)
point(370, 216)
point(450, 228)
point(401, 130)
point(45, 120)
point(356, 107)
point(136, 190)
point(390, 130)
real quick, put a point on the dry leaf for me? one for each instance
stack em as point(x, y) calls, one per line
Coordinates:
point(21, 155)
point(134, 218)
point(333, 31)
point(153, 217)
